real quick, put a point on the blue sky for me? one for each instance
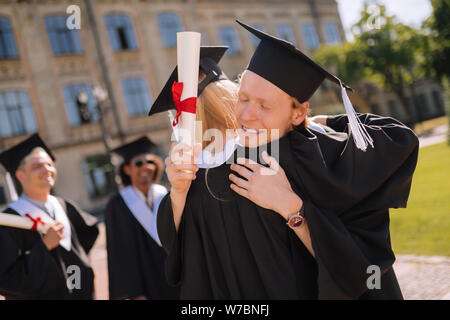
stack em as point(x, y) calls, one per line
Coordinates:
point(411, 12)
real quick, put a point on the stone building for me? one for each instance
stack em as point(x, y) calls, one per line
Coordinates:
point(127, 48)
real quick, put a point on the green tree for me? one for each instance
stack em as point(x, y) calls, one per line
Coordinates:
point(439, 23)
point(390, 52)
point(384, 52)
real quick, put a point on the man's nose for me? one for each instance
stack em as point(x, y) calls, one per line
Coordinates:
point(147, 165)
point(49, 168)
point(249, 112)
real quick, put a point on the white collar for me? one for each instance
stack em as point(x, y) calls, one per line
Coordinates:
point(135, 201)
point(208, 160)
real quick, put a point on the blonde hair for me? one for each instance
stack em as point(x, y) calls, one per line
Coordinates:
point(216, 104)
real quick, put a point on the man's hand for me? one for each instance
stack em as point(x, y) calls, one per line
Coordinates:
point(267, 187)
point(54, 234)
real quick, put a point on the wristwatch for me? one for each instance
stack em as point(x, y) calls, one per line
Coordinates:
point(296, 220)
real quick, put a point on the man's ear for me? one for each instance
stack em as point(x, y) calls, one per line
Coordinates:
point(299, 114)
point(19, 175)
point(127, 169)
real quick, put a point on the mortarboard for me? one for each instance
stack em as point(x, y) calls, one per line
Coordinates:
point(135, 148)
point(12, 157)
point(209, 58)
point(281, 63)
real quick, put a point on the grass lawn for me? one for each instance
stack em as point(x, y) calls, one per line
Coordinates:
point(424, 227)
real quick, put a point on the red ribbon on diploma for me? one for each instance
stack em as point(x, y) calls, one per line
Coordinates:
point(35, 221)
point(187, 105)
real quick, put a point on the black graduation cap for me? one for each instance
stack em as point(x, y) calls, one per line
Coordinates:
point(12, 157)
point(209, 58)
point(281, 63)
point(135, 148)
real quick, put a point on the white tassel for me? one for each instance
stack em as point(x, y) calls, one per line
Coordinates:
point(11, 188)
point(357, 129)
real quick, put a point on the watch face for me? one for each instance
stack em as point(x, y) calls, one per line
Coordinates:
point(295, 222)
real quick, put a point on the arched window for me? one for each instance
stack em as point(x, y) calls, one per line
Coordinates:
point(98, 175)
point(8, 47)
point(16, 114)
point(332, 33)
point(121, 32)
point(310, 35)
point(137, 96)
point(229, 37)
point(62, 39)
point(169, 25)
point(80, 113)
point(285, 32)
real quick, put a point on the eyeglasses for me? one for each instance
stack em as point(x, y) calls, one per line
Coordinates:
point(140, 163)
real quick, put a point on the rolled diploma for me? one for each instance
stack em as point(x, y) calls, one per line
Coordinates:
point(15, 221)
point(188, 58)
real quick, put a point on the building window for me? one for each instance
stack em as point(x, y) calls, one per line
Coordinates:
point(204, 38)
point(332, 33)
point(98, 176)
point(285, 32)
point(393, 110)
point(169, 25)
point(375, 109)
point(437, 101)
point(310, 35)
point(62, 40)
point(229, 37)
point(16, 114)
point(423, 107)
point(77, 112)
point(8, 47)
point(255, 39)
point(137, 96)
point(121, 32)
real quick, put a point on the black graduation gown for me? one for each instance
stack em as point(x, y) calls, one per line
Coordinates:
point(135, 260)
point(234, 249)
point(28, 270)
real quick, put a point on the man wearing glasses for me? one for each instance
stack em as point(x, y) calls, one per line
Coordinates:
point(135, 256)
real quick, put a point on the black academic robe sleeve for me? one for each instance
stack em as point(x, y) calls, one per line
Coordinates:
point(347, 194)
point(85, 224)
point(27, 266)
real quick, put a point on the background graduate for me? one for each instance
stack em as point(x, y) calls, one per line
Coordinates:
point(135, 255)
point(34, 266)
point(311, 228)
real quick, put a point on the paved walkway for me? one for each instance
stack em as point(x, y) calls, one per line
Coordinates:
point(423, 278)
point(437, 135)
